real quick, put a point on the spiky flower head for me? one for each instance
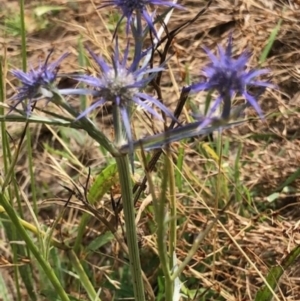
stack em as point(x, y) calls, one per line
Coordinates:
point(36, 82)
point(122, 87)
point(129, 7)
point(230, 76)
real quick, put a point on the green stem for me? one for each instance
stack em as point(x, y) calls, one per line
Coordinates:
point(80, 232)
point(86, 125)
point(43, 263)
point(128, 209)
point(160, 218)
point(28, 135)
point(131, 234)
point(161, 234)
point(18, 250)
point(6, 159)
point(73, 258)
point(173, 210)
point(138, 37)
point(31, 172)
point(84, 280)
point(194, 249)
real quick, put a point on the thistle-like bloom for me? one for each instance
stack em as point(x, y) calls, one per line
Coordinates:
point(128, 7)
point(230, 76)
point(36, 82)
point(122, 87)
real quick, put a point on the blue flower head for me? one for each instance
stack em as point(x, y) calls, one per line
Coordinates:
point(36, 82)
point(128, 7)
point(122, 87)
point(230, 76)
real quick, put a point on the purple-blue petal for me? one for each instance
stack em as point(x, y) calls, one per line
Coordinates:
point(99, 60)
point(200, 86)
point(147, 107)
point(129, 6)
point(95, 105)
point(36, 78)
point(228, 75)
point(212, 57)
point(240, 62)
point(253, 103)
point(158, 104)
point(254, 73)
point(54, 65)
point(207, 119)
point(90, 80)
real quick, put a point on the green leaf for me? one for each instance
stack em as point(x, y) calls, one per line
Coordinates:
point(103, 183)
point(41, 10)
point(270, 43)
point(3, 289)
point(37, 119)
point(50, 295)
point(178, 171)
point(100, 241)
point(273, 197)
point(289, 180)
point(264, 294)
point(78, 136)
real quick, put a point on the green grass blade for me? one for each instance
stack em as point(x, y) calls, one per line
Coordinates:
point(270, 43)
point(100, 241)
point(28, 135)
point(103, 183)
point(3, 289)
point(264, 294)
point(84, 280)
point(18, 250)
point(82, 63)
point(237, 174)
point(289, 180)
point(178, 171)
point(32, 247)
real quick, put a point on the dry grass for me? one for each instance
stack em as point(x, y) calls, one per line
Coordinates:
point(264, 232)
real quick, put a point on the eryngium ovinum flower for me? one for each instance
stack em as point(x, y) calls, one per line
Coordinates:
point(228, 77)
point(128, 7)
point(122, 87)
point(36, 83)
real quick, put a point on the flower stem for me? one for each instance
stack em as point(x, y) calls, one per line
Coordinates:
point(173, 210)
point(73, 258)
point(131, 234)
point(138, 38)
point(128, 209)
point(84, 279)
point(227, 106)
point(86, 124)
point(159, 205)
point(194, 248)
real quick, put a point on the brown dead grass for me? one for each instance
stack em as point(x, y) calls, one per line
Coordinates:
point(265, 236)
